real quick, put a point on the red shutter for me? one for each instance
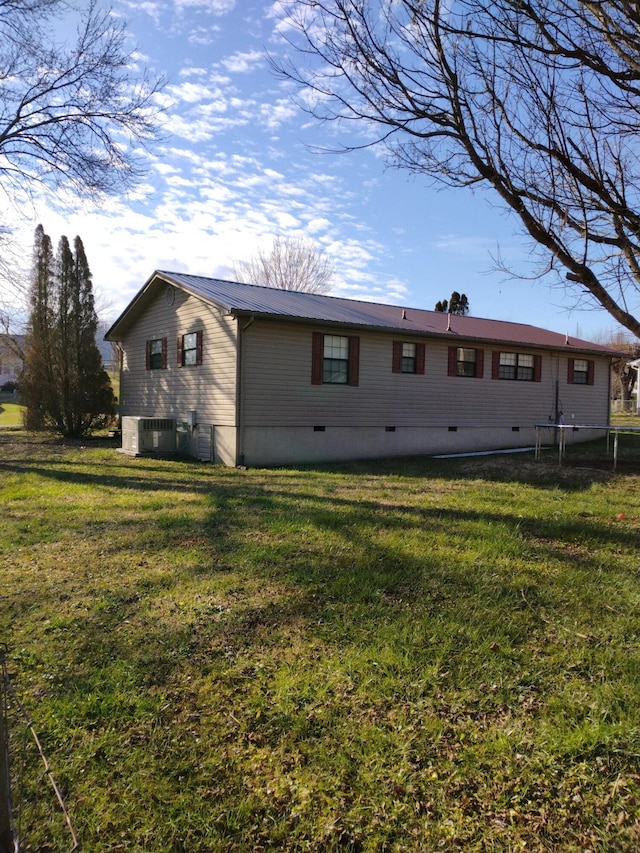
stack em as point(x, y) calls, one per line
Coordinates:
point(570, 377)
point(420, 353)
point(495, 364)
point(479, 363)
point(396, 361)
point(179, 350)
point(537, 368)
point(199, 347)
point(590, 372)
point(148, 355)
point(453, 360)
point(164, 353)
point(317, 353)
point(354, 360)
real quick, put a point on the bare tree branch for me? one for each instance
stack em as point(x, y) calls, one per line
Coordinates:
point(539, 101)
point(70, 116)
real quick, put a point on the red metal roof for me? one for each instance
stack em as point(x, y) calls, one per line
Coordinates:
point(249, 299)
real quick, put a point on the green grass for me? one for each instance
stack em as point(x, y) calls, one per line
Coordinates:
point(10, 412)
point(403, 655)
point(625, 419)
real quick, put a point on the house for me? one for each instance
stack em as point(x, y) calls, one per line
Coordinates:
point(257, 376)
point(11, 361)
point(635, 365)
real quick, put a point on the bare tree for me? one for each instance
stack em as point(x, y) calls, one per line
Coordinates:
point(623, 377)
point(539, 101)
point(70, 116)
point(294, 263)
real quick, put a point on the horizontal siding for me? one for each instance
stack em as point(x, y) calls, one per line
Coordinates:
point(278, 389)
point(208, 388)
point(586, 404)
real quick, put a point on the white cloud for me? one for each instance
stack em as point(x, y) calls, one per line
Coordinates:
point(215, 7)
point(191, 93)
point(149, 7)
point(274, 114)
point(219, 186)
point(318, 224)
point(243, 62)
point(192, 72)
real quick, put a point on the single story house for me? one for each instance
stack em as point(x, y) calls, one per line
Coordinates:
point(248, 375)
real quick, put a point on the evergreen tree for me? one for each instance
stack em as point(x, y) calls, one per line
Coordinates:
point(64, 384)
point(456, 304)
point(36, 381)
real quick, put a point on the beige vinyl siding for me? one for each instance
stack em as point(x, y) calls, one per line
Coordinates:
point(586, 404)
point(278, 390)
point(209, 388)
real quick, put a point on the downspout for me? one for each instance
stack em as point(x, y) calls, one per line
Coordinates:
point(557, 414)
point(240, 392)
point(609, 374)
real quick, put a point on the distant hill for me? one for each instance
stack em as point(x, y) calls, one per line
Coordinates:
point(105, 347)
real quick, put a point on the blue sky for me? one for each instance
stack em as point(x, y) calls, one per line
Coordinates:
point(239, 164)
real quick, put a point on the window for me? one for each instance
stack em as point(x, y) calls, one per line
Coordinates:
point(407, 358)
point(519, 366)
point(580, 371)
point(335, 359)
point(157, 354)
point(466, 361)
point(190, 349)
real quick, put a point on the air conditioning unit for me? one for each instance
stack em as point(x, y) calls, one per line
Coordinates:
point(148, 435)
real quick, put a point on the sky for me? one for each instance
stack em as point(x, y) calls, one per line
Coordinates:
point(240, 163)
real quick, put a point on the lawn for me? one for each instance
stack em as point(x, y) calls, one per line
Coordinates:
point(412, 655)
point(10, 412)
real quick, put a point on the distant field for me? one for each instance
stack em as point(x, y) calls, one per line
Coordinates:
point(411, 655)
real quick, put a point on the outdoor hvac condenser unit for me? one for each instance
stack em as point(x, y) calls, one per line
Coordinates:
point(148, 435)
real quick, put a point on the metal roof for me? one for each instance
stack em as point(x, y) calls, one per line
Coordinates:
point(236, 298)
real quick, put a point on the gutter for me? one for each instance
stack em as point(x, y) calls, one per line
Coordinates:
point(451, 335)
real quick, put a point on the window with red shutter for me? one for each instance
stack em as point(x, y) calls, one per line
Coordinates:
point(335, 359)
point(518, 366)
point(465, 361)
point(580, 371)
point(408, 357)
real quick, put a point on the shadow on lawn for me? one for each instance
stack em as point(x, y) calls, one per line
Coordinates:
point(307, 572)
point(238, 494)
point(582, 467)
